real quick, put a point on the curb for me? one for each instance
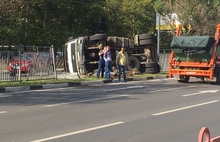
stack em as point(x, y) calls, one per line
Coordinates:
point(69, 84)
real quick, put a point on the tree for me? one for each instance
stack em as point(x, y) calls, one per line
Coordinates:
point(197, 17)
point(44, 22)
point(127, 18)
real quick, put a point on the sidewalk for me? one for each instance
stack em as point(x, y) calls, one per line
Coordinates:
point(71, 84)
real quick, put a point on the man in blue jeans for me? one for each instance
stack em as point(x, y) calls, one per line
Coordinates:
point(122, 63)
point(108, 62)
point(101, 66)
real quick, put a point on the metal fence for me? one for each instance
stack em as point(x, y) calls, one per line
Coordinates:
point(27, 63)
point(164, 59)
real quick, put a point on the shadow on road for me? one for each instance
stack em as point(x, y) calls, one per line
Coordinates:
point(94, 94)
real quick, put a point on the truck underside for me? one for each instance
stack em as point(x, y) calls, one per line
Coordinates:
point(81, 54)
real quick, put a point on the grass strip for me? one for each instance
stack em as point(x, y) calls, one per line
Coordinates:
point(53, 81)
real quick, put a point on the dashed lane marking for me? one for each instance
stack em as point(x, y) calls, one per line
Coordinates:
point(124, 88)
point(2, 112)
point(78, 132)
point(184, 108)
point(83, 101)
point(170, 89)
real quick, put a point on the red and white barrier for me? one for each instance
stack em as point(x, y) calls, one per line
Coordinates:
point(205, 132)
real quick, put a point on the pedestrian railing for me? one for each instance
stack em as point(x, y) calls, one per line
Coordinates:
point(27, 63)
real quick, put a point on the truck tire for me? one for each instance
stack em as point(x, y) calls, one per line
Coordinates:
point(131, 43)
point(151, 65)
point(98, 37)
point(111, 42)
point(120, 41)
point(218, 76)
point(136, 40)
point(146, 36)
point(134, 63)
point(147, 42)
point(92, 55)
point(151, 70)
point(87, 40)
point(183, 79)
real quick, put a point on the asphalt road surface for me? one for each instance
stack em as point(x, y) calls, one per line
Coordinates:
point(148, 111)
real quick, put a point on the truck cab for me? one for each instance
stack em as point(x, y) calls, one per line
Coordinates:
point(74, 57)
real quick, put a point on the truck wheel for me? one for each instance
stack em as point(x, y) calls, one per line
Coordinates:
point(134, 63)
point(111, 41)
point(92, 55)
point(218, 77)
point(146, 36)
point(98, 37)
point(151, 70)
point(136, 40)
point(122, 42)
point(87, 40)
point(151, 65)
point(183, 79)
point(147, 42)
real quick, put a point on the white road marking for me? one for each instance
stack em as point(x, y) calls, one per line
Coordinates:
point(4, 96)
point(184, 108)
point(47, 90)
point(78, 132)
point(200, 92)
point(170, 89)
point(83, 101)
point(129, 87)
point(1, 112)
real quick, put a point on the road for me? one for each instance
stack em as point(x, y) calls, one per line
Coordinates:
point(144, 111)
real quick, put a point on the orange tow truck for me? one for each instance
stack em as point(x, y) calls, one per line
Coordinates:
point(195, 56)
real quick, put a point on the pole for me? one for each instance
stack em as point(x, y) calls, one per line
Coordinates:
point(158, 34)
point(19, 70)
point(54, 62)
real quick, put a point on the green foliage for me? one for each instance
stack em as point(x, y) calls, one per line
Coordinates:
point(201, 15)
point(44, 22)
point(51, 22)
point(127, 18)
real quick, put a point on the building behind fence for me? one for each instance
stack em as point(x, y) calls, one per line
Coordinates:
point(27, 63)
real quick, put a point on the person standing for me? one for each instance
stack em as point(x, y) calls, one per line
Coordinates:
point(101, 66)
point(122, 63)
point(108, 61)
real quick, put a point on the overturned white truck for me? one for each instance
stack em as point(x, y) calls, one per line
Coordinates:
point(81, 54)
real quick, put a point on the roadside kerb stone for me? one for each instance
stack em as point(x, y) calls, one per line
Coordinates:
point(2, 89)
point(57, 85)
point(74, 84)
point(92, 82)
point(16, 89)
point(36, 87)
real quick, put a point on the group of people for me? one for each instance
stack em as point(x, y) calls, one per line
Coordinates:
point(105, 61)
